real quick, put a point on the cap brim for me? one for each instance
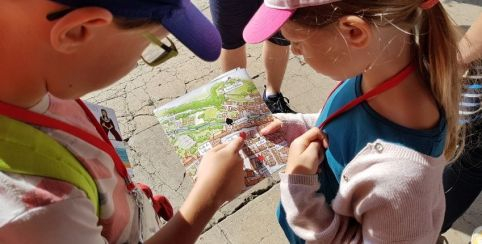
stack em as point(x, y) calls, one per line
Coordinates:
point(195, 31)
point(265, 23)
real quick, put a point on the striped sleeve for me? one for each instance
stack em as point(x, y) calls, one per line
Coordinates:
point(469, 107)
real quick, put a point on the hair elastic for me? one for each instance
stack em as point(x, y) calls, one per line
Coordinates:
point(428, 4)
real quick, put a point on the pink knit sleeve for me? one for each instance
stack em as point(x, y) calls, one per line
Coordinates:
point(295, 125)
point(385, 198)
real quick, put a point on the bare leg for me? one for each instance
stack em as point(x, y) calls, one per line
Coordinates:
point(275, 59)
point(233, 58)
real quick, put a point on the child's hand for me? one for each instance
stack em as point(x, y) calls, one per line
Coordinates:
point(221, 175)
point(290, 130)
point(291, 125)
point(273, 127)
point(306, 153)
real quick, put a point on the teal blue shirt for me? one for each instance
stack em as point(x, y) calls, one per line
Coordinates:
point(353, 130)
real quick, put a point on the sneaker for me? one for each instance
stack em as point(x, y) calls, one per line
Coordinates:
point(277, 103)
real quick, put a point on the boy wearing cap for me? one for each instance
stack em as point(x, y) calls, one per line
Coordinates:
point(56, 52)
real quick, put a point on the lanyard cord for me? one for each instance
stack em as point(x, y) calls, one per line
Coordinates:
point(385, 86)
point(33, 118)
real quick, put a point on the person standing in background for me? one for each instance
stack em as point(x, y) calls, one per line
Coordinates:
point(230, 18)
point(463, 178)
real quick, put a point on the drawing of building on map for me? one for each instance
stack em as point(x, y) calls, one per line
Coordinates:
point(217, 113)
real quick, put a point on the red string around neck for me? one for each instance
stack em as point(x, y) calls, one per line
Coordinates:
point(385, 86)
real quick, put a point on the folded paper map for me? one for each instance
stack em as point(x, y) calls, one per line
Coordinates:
point(218, 112)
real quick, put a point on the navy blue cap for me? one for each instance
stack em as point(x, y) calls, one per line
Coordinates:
point(180, 17)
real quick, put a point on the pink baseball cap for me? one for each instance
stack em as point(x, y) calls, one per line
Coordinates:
point(272, 15)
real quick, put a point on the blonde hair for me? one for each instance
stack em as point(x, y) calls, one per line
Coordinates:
point(434, 37)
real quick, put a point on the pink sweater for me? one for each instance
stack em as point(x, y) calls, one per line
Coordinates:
point(388, 194)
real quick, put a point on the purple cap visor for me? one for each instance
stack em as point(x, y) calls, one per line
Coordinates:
point(180, 17)
point(195, 31)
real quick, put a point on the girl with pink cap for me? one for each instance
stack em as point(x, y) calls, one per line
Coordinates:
point(388, 128)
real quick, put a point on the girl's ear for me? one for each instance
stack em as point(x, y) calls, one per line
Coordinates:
point(356, 31)
point(78, 28)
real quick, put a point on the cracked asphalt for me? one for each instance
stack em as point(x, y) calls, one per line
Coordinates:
point(250, 217)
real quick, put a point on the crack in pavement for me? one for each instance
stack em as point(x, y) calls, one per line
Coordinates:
point(162, 183)
point(224, 235)
point(248, 199)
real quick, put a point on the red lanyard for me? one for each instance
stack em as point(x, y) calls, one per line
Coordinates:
point(33, 118)
point(385, 86)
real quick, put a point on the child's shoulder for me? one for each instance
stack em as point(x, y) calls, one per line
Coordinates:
point(380, 152)
point(387, 183)
point(347, 87)
point(394, 167)
point(342, 94)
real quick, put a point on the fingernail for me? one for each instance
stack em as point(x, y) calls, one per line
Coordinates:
point(242, 135)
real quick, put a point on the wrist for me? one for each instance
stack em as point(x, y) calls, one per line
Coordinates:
point(201, 195)
point(310, 180)
point(299, 171)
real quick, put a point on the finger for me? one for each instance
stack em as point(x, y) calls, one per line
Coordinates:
point(303, 141)
point(315, 149)
point(272, 127)
point(314, 134)
point(325, 140)
point(235, 145)
point(219, 147)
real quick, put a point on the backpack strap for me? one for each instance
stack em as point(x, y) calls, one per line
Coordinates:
point(29, 151)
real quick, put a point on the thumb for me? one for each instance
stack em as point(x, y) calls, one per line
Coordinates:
point(313, 134)
point(235, 145)
point(272, 127)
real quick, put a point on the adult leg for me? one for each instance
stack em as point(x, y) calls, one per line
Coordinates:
point(275, 58)
point(233, 58)
point(230, 18)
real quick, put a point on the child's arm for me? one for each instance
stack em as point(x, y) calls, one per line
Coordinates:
point(51, 211)
point(471, 44)
point(220, 179)
point(385, 196)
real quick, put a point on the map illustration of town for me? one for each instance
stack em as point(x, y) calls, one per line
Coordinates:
point(218, 112)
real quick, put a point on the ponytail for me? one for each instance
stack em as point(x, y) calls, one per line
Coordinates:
point(437, 59)
point(435, 46)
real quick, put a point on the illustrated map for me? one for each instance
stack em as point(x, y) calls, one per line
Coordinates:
point(217, 113)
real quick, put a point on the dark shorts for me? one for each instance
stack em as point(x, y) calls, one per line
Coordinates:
point(462, 179)
point(230, 18)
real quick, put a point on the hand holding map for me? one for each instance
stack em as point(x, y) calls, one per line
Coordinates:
point(217, 113)
point(227, 181)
